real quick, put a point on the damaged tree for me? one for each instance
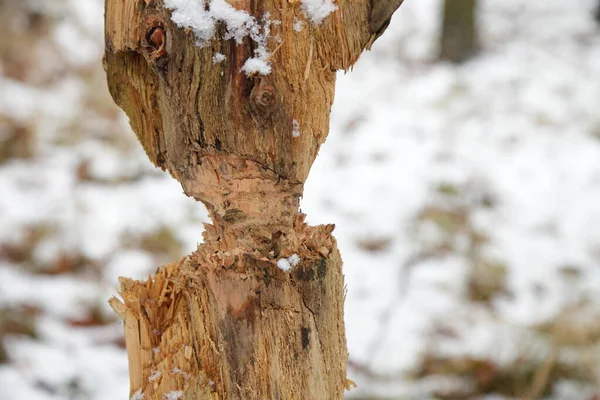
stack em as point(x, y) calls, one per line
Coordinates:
point(233, 99)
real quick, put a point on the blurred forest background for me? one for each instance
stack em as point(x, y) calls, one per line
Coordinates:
point(462, 172)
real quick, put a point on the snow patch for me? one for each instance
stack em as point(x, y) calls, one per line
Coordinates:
point(260, 34)
point(174, 395)
point(177, 371)
point(218, 58)
point(256, 66)
point(295, 128)
point(238, 22)
point(298, 24)
point(193, 15)
point(138, 395)
point(294, 259)
point(155, 375)
point(286, 264)
point(202, 21)
point(317, 10)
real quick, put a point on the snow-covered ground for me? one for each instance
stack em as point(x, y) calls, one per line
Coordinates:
point(466, 199)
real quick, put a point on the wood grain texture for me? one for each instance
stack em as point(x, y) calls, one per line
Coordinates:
point(207, 108)
point(226, 322)
point(198, 327)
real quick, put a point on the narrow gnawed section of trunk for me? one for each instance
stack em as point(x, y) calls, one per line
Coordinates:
point(237, 113)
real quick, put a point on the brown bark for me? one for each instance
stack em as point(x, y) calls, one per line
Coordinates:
point(226, 322)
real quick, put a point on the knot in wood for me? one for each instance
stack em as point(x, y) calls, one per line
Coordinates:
point(263, 98)
point(241, 193)
point(155, 42)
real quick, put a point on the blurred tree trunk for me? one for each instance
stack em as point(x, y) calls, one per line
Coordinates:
point(227, 322)
point(459, 31)
point(597, 14)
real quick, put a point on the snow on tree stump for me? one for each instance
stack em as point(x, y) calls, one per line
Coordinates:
point(233, 99)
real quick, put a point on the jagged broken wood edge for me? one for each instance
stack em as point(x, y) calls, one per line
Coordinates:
point(176, 322)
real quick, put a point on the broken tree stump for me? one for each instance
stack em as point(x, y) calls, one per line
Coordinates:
point(232, 98)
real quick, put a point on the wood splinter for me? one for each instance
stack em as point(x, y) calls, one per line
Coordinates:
point(257, 311)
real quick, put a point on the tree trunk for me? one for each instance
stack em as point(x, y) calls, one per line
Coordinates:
point(257, 311)
point(459, 32)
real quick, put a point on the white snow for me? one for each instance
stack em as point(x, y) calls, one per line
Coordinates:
point(192, 14)
point(218, 58)
point(298, 24)
point(178, 371)
point(138, 395)
point(294, 259)
point(295, 128)
point(260, 35)
point(284, 264)
point(202, 21)
point(317, 10)
point(239, 23)
point(174, 395)
point(256, 66)
point(154, 376)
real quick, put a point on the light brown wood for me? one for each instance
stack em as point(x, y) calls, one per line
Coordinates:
point(226, 322)
point(229, 324)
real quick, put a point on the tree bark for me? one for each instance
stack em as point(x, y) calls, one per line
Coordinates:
point(226, 322)
point(459, 31)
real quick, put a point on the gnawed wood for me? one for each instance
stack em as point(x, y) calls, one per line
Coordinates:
point(184, 107)
point(226, 322)
point(229, 324)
